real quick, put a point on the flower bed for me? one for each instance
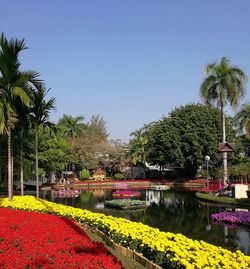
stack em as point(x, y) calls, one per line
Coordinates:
point(125, 204)
point(126, 194)
point(166, 249)
point(36, 240)
point(238, 217)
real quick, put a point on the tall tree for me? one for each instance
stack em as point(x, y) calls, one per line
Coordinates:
point(243, 119)
point(97, 127)
point(13, 86)
point(223, 84)
point(74, 126)
point(21, 129)
point(137, 146)
point(183, 138)
point(39, 114)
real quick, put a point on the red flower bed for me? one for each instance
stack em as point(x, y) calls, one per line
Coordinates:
point(32, 240)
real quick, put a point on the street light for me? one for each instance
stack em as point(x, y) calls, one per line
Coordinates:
point(207, 159)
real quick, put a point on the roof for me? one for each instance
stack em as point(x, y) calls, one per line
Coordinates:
point(227, 147)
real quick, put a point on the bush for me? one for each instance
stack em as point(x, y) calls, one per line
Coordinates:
point(3, 186)
point(119, 176)
point(84, 174)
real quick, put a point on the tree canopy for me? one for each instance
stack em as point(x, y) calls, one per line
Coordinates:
point(185, 137)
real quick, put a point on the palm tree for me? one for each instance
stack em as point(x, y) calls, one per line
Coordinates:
point(138, 146)
point(39, 116)
point(74, 126)
point(22, 128)
point(223, 84)
point(243, 119)
point(13, 86)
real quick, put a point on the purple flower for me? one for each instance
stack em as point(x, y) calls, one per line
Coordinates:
point(238, 217)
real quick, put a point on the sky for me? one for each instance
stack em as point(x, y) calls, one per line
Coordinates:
point(129, 61)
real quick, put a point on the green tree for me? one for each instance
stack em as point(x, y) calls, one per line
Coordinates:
point(21, 131)
point(223, 84)
point(88, 141)
point(97, 127)
point(185, 137)
point(137, 147)
point(14, 85)
point(74, 126)
point(39, 115)
point(243, 119)
point(54, 150)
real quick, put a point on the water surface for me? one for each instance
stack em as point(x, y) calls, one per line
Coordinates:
point(176, 211)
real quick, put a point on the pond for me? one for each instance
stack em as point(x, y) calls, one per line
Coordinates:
point(176, 211)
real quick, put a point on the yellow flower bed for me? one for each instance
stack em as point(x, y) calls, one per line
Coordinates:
point(167, 249)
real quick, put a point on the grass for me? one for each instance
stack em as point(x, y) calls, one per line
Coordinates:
point(223, 199)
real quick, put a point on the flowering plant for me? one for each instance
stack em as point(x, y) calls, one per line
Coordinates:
point(238, 217)
point(172, 251)
point(125, 203)
point(127, 193)
point(36, 240)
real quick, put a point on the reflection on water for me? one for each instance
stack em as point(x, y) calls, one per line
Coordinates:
point(172, 210)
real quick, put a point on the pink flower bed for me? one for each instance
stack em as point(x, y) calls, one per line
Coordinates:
point(126, 194)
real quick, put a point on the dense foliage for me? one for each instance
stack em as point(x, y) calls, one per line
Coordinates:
point(185, 137)
point(84, 174)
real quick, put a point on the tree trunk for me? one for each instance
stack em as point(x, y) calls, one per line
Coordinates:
point(0, 170)
point(21, 170)
point(37, 174)
point(9, 165)
point(21, 163)
point(224, 154)
point(12, 167)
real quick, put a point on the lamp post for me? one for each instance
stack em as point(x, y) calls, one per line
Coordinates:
point(207, 159)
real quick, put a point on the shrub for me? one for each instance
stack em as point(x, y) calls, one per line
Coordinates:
point(84, 174)
point(119, 176)
point(3, 186)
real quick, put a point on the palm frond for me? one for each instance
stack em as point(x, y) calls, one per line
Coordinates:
point(19, 92)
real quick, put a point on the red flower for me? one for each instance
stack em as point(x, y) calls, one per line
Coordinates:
point(36, 240)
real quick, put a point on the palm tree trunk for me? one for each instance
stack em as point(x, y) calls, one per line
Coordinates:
point(37, 175)
point(224, 154)
point(9, 164)
point(21, 170)
point(0, 170)
point(12, 167)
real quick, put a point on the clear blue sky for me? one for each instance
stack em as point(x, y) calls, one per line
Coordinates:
point(129, 61)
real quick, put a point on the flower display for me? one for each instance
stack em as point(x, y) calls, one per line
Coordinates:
point(125, 204)
point(36, 240)
point(169, 250)
point(237, 217)
point(126, 194)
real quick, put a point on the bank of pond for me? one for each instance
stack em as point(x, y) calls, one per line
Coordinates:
point(211, 197)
